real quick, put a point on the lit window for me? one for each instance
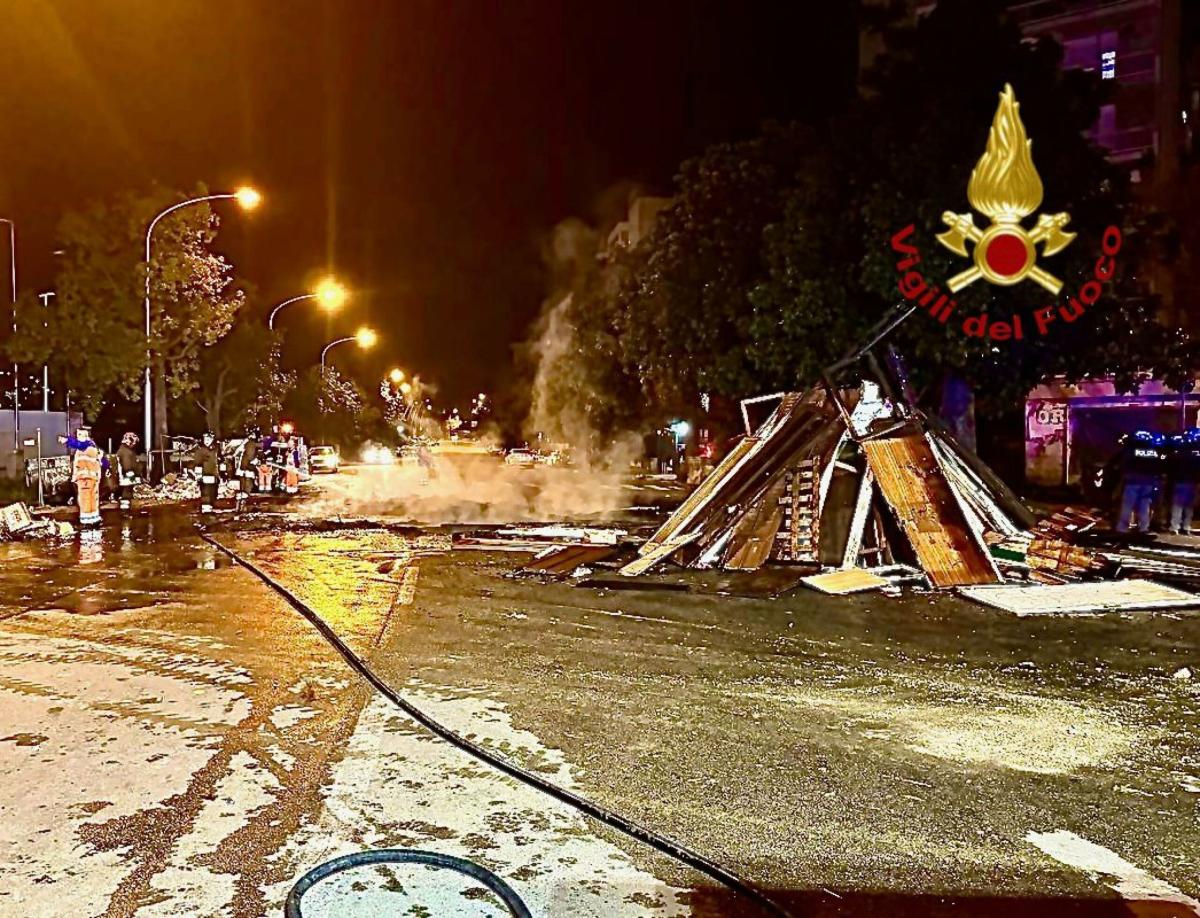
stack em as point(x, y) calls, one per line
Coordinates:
point(1108, 65)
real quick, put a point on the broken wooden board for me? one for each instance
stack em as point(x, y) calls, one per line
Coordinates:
point(854, 580)
point(562, 560)
point(703, 494)
point(754, 536)
point(1081, 598)
point(659, 553)
point(858, 521)
point(928, 512)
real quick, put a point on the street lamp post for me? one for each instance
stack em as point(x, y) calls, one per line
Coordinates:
point(12, 260)
point(45, 298)
point(364, 336)
point(248, 198)
point(329, 294)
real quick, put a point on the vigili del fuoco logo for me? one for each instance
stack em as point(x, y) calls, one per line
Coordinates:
point(1005, 188)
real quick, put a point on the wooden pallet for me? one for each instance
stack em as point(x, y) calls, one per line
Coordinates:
point(800, 502)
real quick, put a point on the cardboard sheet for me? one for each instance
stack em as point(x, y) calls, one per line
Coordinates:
point(1081, 598)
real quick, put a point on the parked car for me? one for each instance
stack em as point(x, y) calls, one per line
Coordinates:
point(526, 458)
point(323, 459)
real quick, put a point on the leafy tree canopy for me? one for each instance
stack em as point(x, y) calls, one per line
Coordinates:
point(94, 331)
point(774, 258)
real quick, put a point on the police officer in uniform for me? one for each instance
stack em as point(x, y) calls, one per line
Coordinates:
point(1143, 463)
point(1183, 466)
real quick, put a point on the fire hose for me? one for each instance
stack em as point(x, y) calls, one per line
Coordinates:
point(623, 824)
point(512, 901)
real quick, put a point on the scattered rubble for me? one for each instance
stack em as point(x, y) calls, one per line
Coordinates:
point(860, 490)
point(17, 523)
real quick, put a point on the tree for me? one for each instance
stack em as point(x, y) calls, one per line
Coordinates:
point(95, 327)
point(775, 257)
point(240, 381)
point(330, 408)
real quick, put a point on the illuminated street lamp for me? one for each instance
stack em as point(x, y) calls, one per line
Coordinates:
point(247, 199)
point(396, 376)
point(365, 338)
point(329, 294)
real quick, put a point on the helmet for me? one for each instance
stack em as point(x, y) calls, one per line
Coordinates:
point(208, 438)
point(1144, 436)
point(130, 439)
point(83, 432)
point(1192, 434)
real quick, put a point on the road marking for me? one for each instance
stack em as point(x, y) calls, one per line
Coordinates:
point(1128, 880)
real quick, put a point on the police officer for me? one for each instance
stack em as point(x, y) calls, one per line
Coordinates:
point(1183, 467)
point(206, 463)
point(1142, 462)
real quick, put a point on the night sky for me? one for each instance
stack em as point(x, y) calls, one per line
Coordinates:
point(420, 151)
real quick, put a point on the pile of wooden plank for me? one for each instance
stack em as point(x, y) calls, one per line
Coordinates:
point(843, 480)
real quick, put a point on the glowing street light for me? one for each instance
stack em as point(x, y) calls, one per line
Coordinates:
point(329, 294)
point(364, 337)
point(396, 376)
point(405, 388)
point(248, 199)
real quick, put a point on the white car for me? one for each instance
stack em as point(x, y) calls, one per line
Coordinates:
point(526, 458)
point(323, 459)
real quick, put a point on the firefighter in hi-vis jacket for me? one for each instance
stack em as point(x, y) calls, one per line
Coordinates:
point(206, 463)
point(86, 473)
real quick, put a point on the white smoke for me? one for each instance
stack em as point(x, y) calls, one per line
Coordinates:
point(480, 488)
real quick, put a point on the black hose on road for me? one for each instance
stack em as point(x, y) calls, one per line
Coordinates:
point(511, 900)
point(640, 833)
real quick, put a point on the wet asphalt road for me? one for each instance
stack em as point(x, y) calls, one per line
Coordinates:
point(175, 740)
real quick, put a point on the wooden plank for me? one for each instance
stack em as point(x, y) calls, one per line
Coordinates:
point(754, 535)
point(660, 553)
point(704, 493)
point(917, 492)
point(562, 561)
point(858, 522)
point(853, 580)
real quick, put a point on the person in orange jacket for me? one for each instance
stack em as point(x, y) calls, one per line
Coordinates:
point(86, 472)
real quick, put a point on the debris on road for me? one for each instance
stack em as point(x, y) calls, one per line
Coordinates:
point(843, 484)
point(844, 480)
point(1081, 598)
point(572, 534)
point(852, 580)
point(16, 522)
point(562, 561)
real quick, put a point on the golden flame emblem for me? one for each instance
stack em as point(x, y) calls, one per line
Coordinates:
point(1006, 187)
